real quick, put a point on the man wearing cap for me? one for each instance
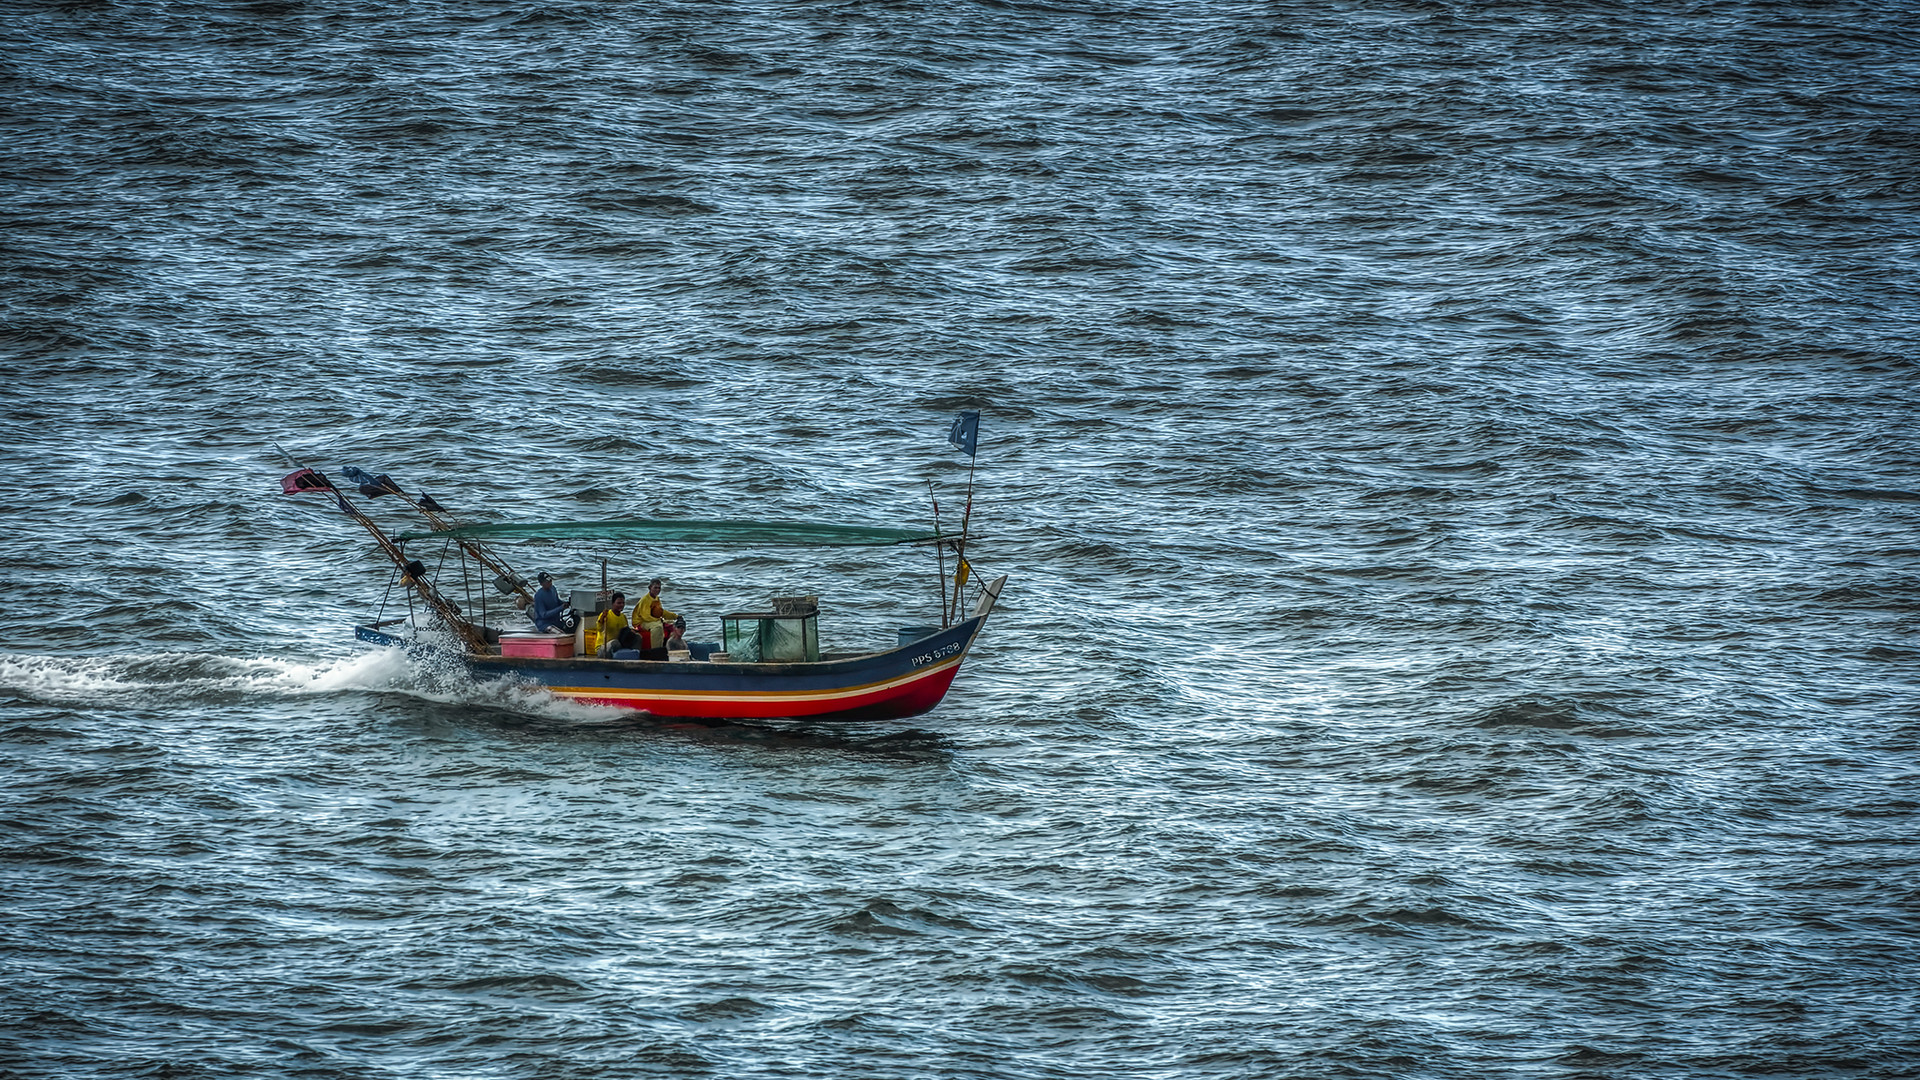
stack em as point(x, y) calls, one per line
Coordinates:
point(548, 611)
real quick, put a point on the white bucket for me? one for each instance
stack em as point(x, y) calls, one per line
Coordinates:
point(717, 658)
point(679, 656)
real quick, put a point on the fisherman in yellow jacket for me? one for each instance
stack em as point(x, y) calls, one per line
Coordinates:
point(611, 622)
point(652, 618)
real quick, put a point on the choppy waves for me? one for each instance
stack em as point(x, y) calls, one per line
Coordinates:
point(1454, 466)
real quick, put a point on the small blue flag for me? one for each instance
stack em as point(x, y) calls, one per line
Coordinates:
point(966, 432)
point(371, 486)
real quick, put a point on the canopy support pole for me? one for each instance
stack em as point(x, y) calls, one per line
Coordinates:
point(960, 553)
point(939, 554)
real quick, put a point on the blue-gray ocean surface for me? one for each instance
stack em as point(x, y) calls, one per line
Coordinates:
point(1456, 465)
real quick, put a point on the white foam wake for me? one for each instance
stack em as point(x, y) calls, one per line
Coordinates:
point(145, 677)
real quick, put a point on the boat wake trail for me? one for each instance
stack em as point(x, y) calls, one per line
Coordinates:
point(69, 680)
point(183, 678)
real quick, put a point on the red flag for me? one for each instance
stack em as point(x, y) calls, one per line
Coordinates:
point(300, 480)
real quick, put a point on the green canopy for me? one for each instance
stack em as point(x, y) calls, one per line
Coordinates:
point(710, 533)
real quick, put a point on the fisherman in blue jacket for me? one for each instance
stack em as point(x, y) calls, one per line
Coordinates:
point(549, 614)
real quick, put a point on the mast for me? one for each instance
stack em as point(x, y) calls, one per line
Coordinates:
point(964, 434)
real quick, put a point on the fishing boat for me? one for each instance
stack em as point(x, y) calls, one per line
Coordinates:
point(765, 664)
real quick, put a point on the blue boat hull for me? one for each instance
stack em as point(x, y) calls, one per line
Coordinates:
point(905, 681)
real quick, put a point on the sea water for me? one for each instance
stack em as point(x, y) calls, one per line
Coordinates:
point(1454, 466)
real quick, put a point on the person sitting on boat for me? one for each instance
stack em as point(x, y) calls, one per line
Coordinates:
point(611, 622)
point(626, 646)
point(660, 628)
point(550, 616)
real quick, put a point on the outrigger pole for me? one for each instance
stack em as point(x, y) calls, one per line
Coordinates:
point(440, 605)
point(439, 523)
